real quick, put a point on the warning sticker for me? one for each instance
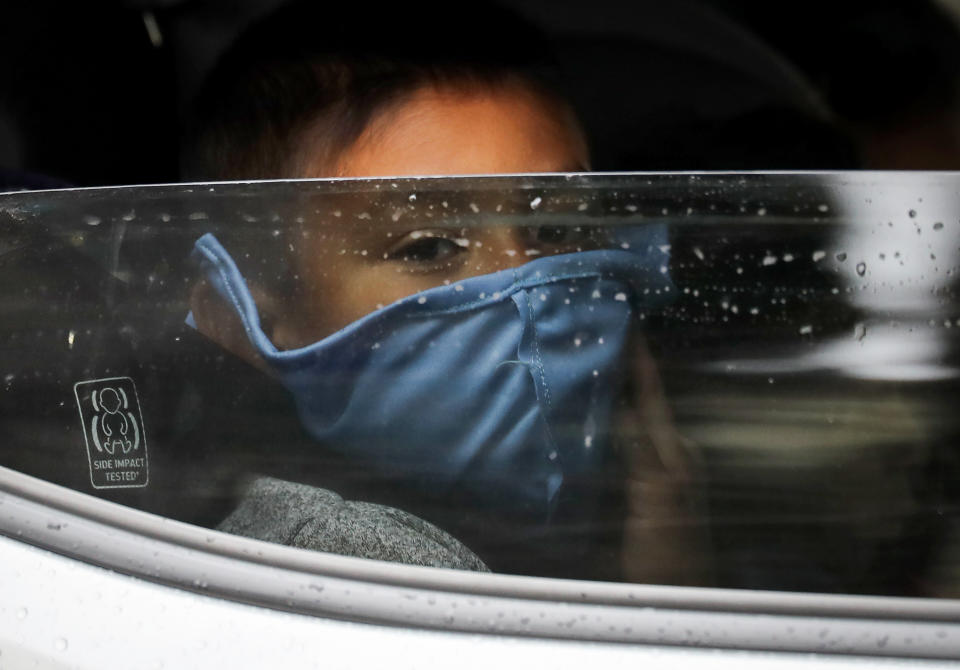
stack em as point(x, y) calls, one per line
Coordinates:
point(113, 430)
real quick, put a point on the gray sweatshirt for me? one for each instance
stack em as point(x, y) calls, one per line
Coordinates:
point(313, 518)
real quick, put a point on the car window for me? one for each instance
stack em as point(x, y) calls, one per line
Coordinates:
point(718, 380)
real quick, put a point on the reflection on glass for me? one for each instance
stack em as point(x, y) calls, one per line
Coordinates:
point(722, 380)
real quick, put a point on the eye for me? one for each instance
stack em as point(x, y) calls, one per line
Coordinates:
point(549, 234)
point(562, 238)
point(427, 247)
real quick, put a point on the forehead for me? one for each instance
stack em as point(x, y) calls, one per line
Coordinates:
point(480, 130)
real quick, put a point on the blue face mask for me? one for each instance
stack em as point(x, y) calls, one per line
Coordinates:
point(498, 388)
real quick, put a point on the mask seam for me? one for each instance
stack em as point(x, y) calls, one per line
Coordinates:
point(538, 356)
point(548, 401)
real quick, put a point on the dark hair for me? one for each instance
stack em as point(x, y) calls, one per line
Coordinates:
point(328, 68)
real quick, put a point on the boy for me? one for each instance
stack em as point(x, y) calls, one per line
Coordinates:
point(332, 93)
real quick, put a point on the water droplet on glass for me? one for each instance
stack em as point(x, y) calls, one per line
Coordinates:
point(818, 255)
point(938, 225)
point(806, 329)
point(859, 331)
point(535, 202)
point(841, 257)
point(861, 268)
point(22, 613)
point(421, 300)
point(698, 253)
point(621, 297)
point(769, 260)
point(823, 208)
point(92, 220)
point(912, 213)
point(60, 644)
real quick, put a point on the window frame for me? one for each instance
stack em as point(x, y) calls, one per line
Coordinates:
point(218, 565)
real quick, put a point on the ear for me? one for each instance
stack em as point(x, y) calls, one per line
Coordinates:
point(217, 320)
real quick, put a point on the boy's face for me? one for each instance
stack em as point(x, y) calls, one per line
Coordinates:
point(351, 271)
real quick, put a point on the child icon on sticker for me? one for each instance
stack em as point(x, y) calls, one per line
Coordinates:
point(113, 431)
point(117, 425)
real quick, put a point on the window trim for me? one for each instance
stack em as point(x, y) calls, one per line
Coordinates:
point(234, 568)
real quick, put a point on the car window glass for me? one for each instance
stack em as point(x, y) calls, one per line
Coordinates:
point(740, 381)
